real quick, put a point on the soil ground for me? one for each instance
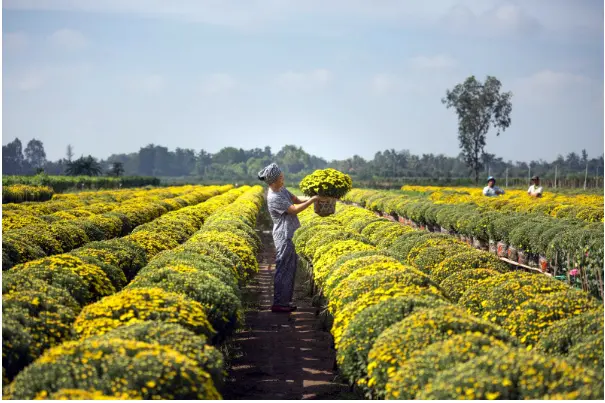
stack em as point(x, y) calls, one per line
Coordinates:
point(281, 355)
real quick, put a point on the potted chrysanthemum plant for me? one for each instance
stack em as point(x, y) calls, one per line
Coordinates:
point(330, 185)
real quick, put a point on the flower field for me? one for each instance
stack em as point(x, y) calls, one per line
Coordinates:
point(35, 230)
point(23, 193)
point(416, 314)
point(559, 234)
point(135, 317)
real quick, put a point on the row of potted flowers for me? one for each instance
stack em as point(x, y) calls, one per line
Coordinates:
point(194, 286)
point(400, 335)
point(569, 249)
point(37, 240)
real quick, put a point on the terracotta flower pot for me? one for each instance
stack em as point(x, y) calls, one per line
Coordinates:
point(402, 220)
point(543, 262)
point(502, 249)
point(522, 257)
point(512, 254)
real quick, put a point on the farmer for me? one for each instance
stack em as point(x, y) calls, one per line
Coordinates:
point(535, 190)
point(491, 189)
point(283, 208)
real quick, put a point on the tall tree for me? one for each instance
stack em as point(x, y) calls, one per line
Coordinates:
point(35, 154)
point(479, 106)
point(12, 158)
point(117, 169)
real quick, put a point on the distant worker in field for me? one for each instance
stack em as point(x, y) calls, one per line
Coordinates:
point(491, 189)
point(283, 207)
point(535, 190)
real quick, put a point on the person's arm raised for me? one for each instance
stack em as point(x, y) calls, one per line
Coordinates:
point(297, 208)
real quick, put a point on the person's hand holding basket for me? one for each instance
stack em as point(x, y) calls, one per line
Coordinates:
point(330, 185)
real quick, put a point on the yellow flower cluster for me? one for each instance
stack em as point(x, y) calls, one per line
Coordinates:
point(326, 182)
point(194, 286)
point(540, 312)
point(416, 332)
point(25, 193)
point(80, 394)
point(585, 207)
point(115, 366)
point(29, 236)
point(395, 330)
point(513, 374)
point(422, 367)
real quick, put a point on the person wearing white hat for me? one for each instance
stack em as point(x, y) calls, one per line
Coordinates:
point(491, 189)
point(283, 207)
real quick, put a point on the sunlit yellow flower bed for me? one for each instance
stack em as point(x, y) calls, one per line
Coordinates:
point(183, 296)
point(409, 312)
point(30, 236)
point(23, 193)
point(585, 207)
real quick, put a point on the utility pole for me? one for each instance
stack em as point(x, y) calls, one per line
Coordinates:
point(585, 175)
point(556, 166)
point(506, 185)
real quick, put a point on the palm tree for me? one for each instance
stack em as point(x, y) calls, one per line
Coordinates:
point(88, 166)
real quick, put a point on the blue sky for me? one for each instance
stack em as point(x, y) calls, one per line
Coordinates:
point(336, 77)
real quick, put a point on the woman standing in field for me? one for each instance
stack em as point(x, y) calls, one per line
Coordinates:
point(283, 208)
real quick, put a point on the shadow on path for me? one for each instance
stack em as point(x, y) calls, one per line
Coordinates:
point(282, 356)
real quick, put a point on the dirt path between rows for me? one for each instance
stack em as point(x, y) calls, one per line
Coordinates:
point(281, 355)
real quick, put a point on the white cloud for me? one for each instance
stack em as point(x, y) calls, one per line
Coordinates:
point(218, 83)
point(547, 86)
point(148, 83)
point(438, 62)
point(14, 40)
point(382, 84)
point(34, 78)
point(505, 19)
point(30, 80)
point(68, 39)
point(304, 81)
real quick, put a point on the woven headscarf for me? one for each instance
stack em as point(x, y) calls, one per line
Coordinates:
point(270, 173)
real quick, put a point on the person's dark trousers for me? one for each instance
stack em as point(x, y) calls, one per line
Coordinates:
point(285, 272)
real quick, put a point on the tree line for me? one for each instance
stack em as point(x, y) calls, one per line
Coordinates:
point(232, 164)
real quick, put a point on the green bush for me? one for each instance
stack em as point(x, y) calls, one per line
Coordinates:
point(431, 256)
point(397, 343)
point(177, 338)
point(471, 259)
point(541, 311)
point(222, 306)
point(563, 335)
point(365, 327)
point(13, 281)
point(455, 285)
point(496, 297)
point(512, 374)
point(341, 271)
point(126, 255)
point(41, 317)
point(115, 366)
point(425, 365)
point(140, 304)
point(221, 269)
